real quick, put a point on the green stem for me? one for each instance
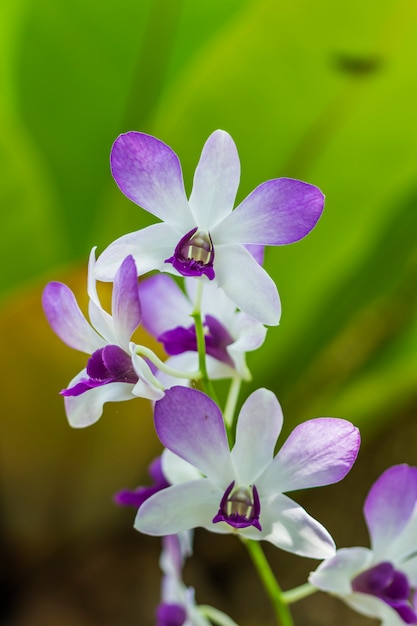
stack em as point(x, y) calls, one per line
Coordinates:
point(281, 610)
point(216, 616)
point(201, 342)
point(298, 593)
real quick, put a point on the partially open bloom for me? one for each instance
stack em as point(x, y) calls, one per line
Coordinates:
point(114, 371)
point(380, 582)
point(241, 491)
point(229, 333)
point(204, 236)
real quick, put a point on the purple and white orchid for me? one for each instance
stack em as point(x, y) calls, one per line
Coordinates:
point(114, 371)
point(241, 491)
point(203, 236)
point(229, 333)
point(380, 582)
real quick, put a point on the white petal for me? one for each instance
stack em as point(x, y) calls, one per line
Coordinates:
point(177, 470)
point(150, 247)
point(178, 508)
point(335, 575)
point(259, 424)
point(87, 408)
point(216, 181)
point(288, 526)
point(247, 284)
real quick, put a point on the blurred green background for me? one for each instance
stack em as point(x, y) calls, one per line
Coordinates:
point(321, 91)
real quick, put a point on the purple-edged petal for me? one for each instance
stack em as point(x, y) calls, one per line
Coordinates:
point(390, 504)
point(318, 452)
point(259, 424)
point(248, 285)
point(66, 319)
point(87, 408)
point(191, 425)
point(288, 526)
point(149, 173)
point(126, 309)
point(149, 248)
point(178, 508)
point(278, 212)
point(335, 574)
point(216, 181)
point(164, 304)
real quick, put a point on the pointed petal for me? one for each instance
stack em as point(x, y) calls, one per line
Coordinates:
point(178, 508)
point(247, 284)
point(149, 248)
point(288, 526)
point(126, 309)
point(148, 386)
point(66, 319)
point(100, 319)
point(278, 212)
point(190, 424)
point(87, 408)
point(389, 504)
point(164, 305)
point(216, 181)
point(259, 424)
point(318, 452)
point(335, 574)
point(149, 173)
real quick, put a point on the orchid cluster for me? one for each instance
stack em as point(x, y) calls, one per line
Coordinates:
point(205, 296)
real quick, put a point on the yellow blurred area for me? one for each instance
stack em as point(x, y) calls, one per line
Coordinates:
point(57, 482)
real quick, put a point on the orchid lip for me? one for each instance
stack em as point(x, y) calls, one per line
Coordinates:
point(239, 507)
point(106, 365)
point(389, 585)
point(194, 254)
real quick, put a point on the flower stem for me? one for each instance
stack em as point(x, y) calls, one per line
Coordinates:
point(201, 342)
point(216, 616)
point(276, 596)
point(298, 593)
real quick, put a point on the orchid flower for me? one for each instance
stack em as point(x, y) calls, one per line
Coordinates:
point(241, 491)
point(114, 371)
point(203, 236)
point(229, 333)
point(378, 582)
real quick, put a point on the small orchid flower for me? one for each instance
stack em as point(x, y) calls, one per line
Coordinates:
point(378, 582)
point(229, 333)
point(178, 607)
point(114, 371)
point(203, 236)
point(241, 491)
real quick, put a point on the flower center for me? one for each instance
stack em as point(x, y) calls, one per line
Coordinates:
point(389, 585)
point(194, 254)
point(106, 365)
point(239, 507)
point(216, 337)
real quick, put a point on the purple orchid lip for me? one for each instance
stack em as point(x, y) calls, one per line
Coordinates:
point(194, 254)
point(389, 585)
point(239, 507)
point(106, 365)
point(170, 614)
point(217, 338)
